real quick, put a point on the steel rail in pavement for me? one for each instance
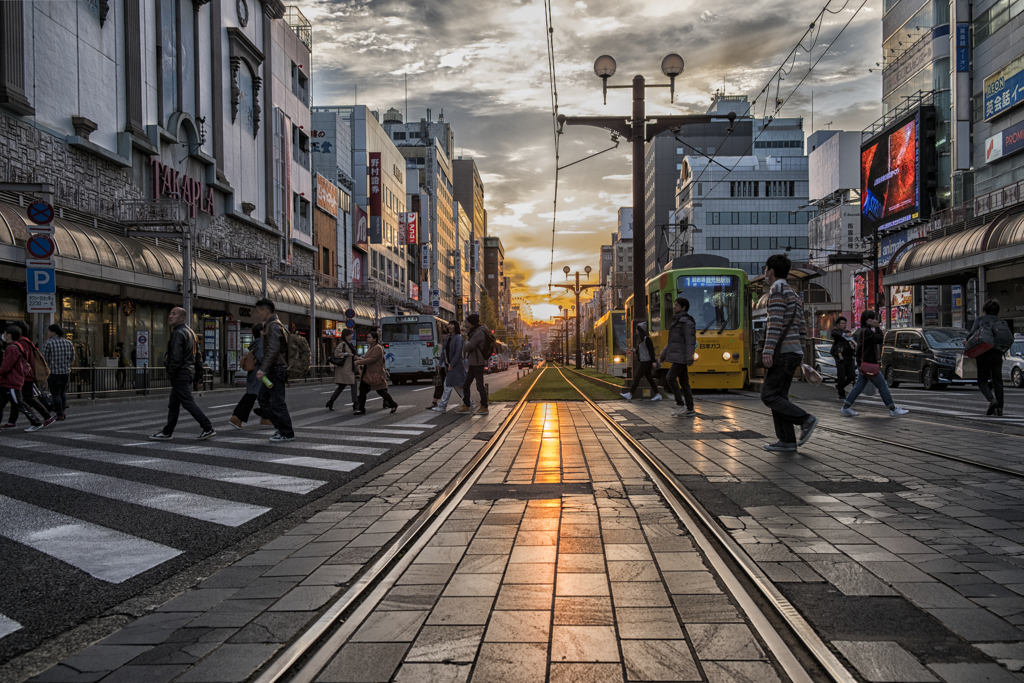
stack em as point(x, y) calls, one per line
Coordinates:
point(677, 495)
point(313, 650)
point(946, 456)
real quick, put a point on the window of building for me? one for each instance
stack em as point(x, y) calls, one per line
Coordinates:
point(680, 150)
point(743, 188)
point(414, 135)
point(713, 218)
point(700, 189)
point(994, 18)
point(398, 135)
point(711, 150)
point(679, 167)
point(490, 276)
point(326, 261)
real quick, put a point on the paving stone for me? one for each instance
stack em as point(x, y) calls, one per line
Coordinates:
point(526, 596)
point(723, 641)
point(896, 572)
point(65, 674)
point(482, 564)
point(583, 611)
point(530, 573)
point(740, 672)
point(443, 555)
point(426, 574)
point(198, 600)
point(446, 644)
point(585, 672)
point(691, 583)
point(658, 660)
point(272, 627)
point(149, 674)
point(934, 594)
point(433, 673)
point(584, 644)
point(390, 627)
point(633, 571)
point(511, 663)
point(364, 663)
point(332, 575)
point(232, 613)
point(851, 579)
point(150, 629)
point(977, 625)
point(680, 562)
point(234, 577)
point(706, 609)
point(539, 537)
point(581, 585)
point(589, 546)
point(650, 623)
point(473, 585)
point(104, 657)
point(973, 673)
point(627, 551)
point(267, 587)
point(1010, 655)
point(640, 594)
point(518, 627)
point(530, 554)
point(883, 662)
point(302, 566)
point(229, 663)
point(460, 611)
point(305, 598)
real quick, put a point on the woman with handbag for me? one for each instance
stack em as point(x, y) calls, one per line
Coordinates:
point(440, 369)
point(250, 362)
point(454, 366)
point(374, 376)
point(343, 360)
point(869, 352)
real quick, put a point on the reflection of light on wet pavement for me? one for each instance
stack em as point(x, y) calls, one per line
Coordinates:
point(549, 460)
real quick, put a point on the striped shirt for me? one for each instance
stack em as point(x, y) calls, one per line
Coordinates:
point(784, 305)
point(59, 354)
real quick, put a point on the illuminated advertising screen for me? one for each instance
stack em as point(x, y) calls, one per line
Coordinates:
point(890, 176)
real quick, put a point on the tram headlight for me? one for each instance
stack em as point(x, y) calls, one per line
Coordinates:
point(617, 359)
point(726, 356)
point(696, 356)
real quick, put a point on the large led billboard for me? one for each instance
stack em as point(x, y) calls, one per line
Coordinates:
point(891, 174)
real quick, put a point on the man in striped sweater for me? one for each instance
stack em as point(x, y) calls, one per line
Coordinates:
point(784, 338)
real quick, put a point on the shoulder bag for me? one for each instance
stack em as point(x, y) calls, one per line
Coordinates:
point(867, 369)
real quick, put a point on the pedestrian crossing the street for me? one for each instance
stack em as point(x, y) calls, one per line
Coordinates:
point(950, 403)
point(104, 463)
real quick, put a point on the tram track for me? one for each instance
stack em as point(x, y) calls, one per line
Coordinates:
point(311, 652)
point(876, 439)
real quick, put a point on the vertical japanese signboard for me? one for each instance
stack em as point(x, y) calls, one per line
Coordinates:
point(359, 226)
point(408, 227)
point(376, 197)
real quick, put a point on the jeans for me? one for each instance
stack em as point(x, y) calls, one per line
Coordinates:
point(14, 396)
point(28, 398)
point(775, 395)
point(475, 372)
point(364, 390)
point(447, 394)
point(272, 403)
point(678, 375)
point(880, 384)
point(354, 387)
point(990, 369)
point(181, 397)
point(846, 374)
point(644, 371)
point(244, 407)
point(58, 385)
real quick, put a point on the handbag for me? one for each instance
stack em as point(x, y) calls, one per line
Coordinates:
point(248, 362)
point(811, 376)
point(867, 369)
point(966, 368)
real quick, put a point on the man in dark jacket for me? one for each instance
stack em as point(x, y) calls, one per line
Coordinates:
point(275, 368)
point(842, 352)
point(644, 354)
point(473, 351)
point(180, 362)
point(682, 344)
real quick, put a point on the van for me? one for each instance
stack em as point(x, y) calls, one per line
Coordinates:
point(923, 354)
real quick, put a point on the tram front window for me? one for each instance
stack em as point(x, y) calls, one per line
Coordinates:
point(620, 342)
point(714, 300)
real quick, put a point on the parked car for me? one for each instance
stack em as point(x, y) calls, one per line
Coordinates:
point(824, 363)
point(923, 354)
point(1013, 366)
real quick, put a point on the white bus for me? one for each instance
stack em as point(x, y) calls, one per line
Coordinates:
point(411, 346)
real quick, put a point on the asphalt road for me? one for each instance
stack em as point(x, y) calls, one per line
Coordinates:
point(92, 513)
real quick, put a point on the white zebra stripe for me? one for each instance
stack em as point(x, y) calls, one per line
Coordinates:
point(106, 554)
point(8, 626)
point(224, 512)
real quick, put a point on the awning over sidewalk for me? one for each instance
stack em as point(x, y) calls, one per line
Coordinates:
point(949, 259)
point(90, 253)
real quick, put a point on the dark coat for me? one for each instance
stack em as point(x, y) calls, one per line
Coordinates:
point(275, 344)
point(451, 355)
point(181, 353)
point(252, 383)
point(682, 340)
point(841, 349)
point(473, 349)
point(373, 368)
point(868, 339)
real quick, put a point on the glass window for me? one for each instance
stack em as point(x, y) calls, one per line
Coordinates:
point(735, 218)
point(948, 338)
point(714, 300)
point(667, 310)
point(903, 340)
point(773, 217)
point(654, 312)
point(620, 340)
point(744, 218)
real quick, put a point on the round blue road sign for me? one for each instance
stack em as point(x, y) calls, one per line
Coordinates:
point(350, 323)
point(40, 212)
point(39, 246)
point(350, 313)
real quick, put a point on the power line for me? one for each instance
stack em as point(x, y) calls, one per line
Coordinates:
point(550, 40)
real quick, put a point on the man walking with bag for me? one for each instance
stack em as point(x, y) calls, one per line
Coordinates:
point(60, 355)
point(644, 353)
point(682, 344)
point(990, 363)
point(275, 368)
point(842, 352)
point(181, 364)
point(783, 353)
point(477, 354)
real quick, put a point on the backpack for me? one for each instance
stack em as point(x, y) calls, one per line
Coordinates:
point(297, 355)
point(248, 362)
point(1002, 336)
point(487, 348)
point(42, 370)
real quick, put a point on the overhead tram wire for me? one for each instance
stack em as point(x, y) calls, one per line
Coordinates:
point(549, 31)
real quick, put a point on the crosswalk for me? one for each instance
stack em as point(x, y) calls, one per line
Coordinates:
point(951, 403)
point(104, 462)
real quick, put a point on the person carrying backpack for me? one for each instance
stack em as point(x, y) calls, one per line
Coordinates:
point(180, 363)
point(644, 353)
point(13, 368)
point(275, 368)
point(477, 351)
point(28, 389)
point(990, 363)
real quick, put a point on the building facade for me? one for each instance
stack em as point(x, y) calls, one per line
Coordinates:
point(469, 192)
point(494, 274)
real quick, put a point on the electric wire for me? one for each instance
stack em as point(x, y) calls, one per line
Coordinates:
point(550, 40)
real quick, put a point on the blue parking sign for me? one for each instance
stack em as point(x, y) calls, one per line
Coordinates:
point(41, 281)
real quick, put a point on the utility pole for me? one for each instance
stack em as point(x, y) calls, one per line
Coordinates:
point(577, 289)
point(564, 342)
point(639, 130)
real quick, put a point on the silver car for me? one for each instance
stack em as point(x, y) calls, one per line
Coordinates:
point(824, 363)
point(1013, 365)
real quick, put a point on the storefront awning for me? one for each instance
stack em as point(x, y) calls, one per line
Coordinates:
point(87, 252)
point(948, 260)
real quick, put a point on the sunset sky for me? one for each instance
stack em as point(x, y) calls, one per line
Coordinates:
point(484, 63)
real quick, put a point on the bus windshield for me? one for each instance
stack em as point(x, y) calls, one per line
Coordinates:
point(406, 332)
point(619, 341)
point(714, 300)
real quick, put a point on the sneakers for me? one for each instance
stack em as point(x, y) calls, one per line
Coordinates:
point(35, 428)
point(626, 395)
point(689, 413)
point(779, 447)
point(49, 421)
point(160, 436)
point(806, 430)
point(8, 425)
point(463, 409)
point(482, 410)
point(61, 418)
point(207, 433)
point(896, 411)
point(280, 438)
point(656, 397)
point(848, 412)
point(678, 412)
point(264, 422)
point(439, 409)
point(235, 422)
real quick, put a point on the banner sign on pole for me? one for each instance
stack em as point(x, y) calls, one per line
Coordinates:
point(376, 201)
point(425, 257)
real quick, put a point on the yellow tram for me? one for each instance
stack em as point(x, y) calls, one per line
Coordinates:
point(611, 344)
point(719, 303)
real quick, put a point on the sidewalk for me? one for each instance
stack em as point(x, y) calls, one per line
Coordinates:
point(561, 563)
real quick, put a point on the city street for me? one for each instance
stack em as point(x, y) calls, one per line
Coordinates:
point(93, 514)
